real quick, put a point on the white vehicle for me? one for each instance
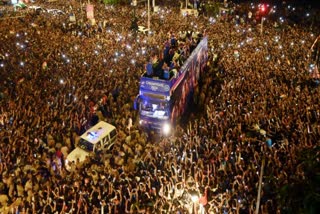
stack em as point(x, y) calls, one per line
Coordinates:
point(100, 137)
point(36, 8)
point(55, 12)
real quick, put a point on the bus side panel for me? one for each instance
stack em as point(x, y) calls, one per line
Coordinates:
point(184, 92)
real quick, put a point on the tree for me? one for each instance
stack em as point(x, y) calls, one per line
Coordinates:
point(303, 196)
point(111, 1)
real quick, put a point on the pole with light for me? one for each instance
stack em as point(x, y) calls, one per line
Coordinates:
point(262, 10)
point(134, 4)
point(260, 186)
point(81, 9)
point(262, 19)
point(148, 16)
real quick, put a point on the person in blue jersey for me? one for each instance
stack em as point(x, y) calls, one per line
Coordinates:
point(173, 40)
point(165, 68)
point(149, 68)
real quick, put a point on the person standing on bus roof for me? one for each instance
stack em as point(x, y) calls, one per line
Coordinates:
point(173, 40)
point(166, 48)
point(165, 68)
point(157, 66)
point(149, 68)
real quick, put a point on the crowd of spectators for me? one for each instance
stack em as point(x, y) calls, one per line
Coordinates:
point(56, 78)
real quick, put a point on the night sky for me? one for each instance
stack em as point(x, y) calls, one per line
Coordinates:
point(315, 3)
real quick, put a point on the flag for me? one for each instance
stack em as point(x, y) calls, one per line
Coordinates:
point(315, 73)
point(90, 14)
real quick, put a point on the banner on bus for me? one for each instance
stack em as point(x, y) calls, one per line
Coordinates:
point(155, 85)
point(90, 14)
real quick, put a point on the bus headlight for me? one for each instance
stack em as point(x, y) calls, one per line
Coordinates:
point(166, 128)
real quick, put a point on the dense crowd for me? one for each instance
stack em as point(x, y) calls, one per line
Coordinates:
point(259, 109)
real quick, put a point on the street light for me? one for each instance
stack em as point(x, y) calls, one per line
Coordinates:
point(148, 16)
point(262, 11)
point(134, 4)
point(262, 8)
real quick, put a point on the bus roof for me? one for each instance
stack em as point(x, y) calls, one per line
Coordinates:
point(97, 132)
point(165, 87)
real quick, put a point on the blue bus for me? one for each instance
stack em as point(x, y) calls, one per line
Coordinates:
point(161, 101)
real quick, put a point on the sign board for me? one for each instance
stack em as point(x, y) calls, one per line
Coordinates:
point(90, 14)
point(155, 85)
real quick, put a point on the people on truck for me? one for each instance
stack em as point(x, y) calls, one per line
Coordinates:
point(149, 68)
point(165, 68)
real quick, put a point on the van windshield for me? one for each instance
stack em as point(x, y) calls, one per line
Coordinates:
point(85, 145)
point(113, 133)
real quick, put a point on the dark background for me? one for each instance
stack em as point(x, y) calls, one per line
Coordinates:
point(314, 3)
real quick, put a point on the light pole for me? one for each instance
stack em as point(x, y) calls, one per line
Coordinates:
point(262, 11)
point(261, 29)
point(134, 4)
point(148, 16)
point(81, 20)
point(259, 187)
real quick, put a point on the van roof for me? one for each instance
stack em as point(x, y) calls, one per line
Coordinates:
point(97, 132)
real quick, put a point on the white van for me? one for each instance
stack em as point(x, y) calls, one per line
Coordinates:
point(100, 137)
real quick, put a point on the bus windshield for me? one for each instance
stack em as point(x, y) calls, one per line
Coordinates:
point(155, 109)
point(85, 145)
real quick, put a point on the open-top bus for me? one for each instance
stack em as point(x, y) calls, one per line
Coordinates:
point(162, 101)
